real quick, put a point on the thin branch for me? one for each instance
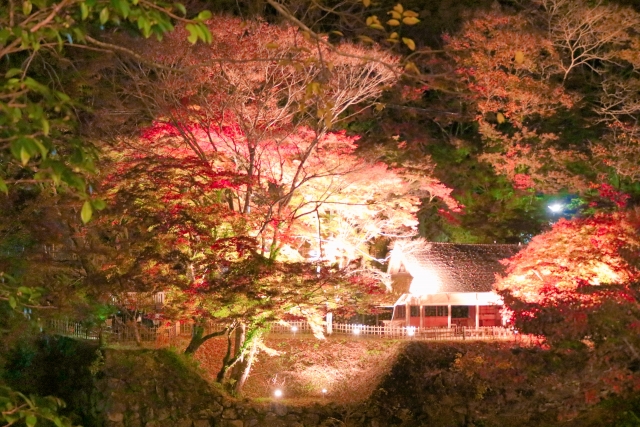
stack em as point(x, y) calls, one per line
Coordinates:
point(129, 52)
point(289, 16)
point(165, 11)
point(51, 16)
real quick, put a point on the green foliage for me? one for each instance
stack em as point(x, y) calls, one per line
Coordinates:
point(38, 120)
point(15, 406)
point(18, 296)
point(40, 139)
point(97, 364)
point(29, 373)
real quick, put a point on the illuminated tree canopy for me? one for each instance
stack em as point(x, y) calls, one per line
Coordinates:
point(589, 251)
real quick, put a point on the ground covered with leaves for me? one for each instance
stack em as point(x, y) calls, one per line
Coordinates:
point(347, 369)
point(437, 383)
point(398, 383)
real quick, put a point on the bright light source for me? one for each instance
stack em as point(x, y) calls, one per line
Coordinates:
point(294, 329)
point(556, 207)
point(324, 391)
point(356, 331)
point(425, 282)
point(411, 331)
point(277, 393)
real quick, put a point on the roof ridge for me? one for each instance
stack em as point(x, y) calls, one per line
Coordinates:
point(458, 267)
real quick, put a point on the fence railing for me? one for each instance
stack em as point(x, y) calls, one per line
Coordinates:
point(168, 333)
point(71, 329)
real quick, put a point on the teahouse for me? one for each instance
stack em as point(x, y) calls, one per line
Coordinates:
point(447, 284)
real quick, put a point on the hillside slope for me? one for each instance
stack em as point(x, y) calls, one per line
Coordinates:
point(370, 383)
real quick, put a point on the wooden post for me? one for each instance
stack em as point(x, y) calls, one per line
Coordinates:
point(421, 317)
point(449, 316)
point(477, 316)
point(329, 323)
point(407, 314)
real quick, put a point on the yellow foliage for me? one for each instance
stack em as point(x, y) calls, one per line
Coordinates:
point(394, 14)
point(411, 68)
point(410, 20)
point(410, 14)
point(366, 39)
point(409, 42)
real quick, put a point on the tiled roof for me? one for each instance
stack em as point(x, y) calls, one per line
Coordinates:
point(460, 267)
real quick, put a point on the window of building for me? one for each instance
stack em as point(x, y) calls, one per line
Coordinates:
point(400, 312)
point(436, 311)
point(415, 311)
point(460, 311)
point(488, 310)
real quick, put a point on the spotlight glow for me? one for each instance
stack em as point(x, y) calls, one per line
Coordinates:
point(556, 207)
point(356, 331)
point(277, 393)
point(426, 282)
point(294, 329)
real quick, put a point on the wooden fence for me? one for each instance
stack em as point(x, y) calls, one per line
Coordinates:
point(71, 329)
point(167, 334)
point(111, 333)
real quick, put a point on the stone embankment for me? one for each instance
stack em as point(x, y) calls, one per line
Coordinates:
point(152, 389)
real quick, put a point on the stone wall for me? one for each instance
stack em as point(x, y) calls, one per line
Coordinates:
point(460, 384)
point(153, 389)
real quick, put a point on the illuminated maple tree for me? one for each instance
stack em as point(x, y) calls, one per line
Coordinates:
point(507, 66)
point(196, 246)
point(207, 202)
point(262, 102)
point(562, 275)
point(586, 251)
point(173, 231)
point(576, 286)
point(589, 35)
point(263, 98)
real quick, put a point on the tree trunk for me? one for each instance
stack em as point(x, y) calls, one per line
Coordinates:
point(198, 338)
point(229, 196)
point(102, 339)
point(241, 334)
point(247, 367)
point(225, 360)
point(136, 333)
point(273, 249)
point(234, 365)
